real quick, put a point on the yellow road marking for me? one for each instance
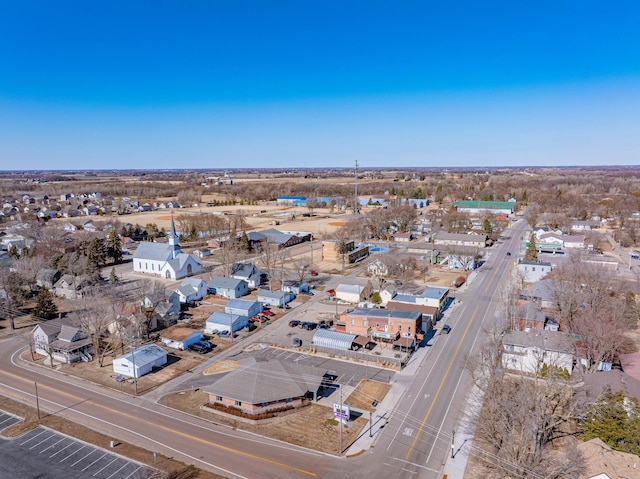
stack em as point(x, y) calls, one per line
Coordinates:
point(444, 378)
point(168, 429)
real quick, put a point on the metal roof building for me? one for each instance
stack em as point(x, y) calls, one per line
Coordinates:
point(333, 339)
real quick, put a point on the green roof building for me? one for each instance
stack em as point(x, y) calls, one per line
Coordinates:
point(497, 207)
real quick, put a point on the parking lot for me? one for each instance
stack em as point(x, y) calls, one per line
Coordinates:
point(7, 420)
point(348, 373)
point(46, 453)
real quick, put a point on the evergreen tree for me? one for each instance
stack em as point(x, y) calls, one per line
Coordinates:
point(114, 247)
point(486, 226)
point(244, 242)
point(96, 253)
point(113, 277)
point(13, 252)
point(375, 298)
point(532, 253)
point(615, 419)
point(45, 308)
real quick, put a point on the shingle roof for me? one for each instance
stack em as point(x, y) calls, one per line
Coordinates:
point(383, 313)
point(224, 282)
point(153, 251)
point(257, 382)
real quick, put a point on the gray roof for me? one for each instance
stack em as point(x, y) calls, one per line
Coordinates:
point(154, 251)
point(257, 382)
point(67, 333)
point(545, 340)
point(333, 339)
point(224, 282)
point(265, 293)
point(434, 292)
point(405, 298)
point(194, 282)
point(145, 355)
point(383, 313)
point(240, 304)
point(529, 311)
point(225, 318)
point(243, 270)
point(276, 237)
point(444, 236)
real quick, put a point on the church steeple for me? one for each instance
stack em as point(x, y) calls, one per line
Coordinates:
point(173, 238)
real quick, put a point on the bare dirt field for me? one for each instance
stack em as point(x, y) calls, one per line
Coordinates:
point(170, 467)
point(312, 426)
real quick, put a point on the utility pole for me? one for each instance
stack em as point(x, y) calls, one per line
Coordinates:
point(135, 371)
point(37, 400)
point(356, 205)
point(340, 419)
point(370, 421)
point(453, 437)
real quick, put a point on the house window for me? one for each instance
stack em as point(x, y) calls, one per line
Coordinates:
point(508, 347)
point(386, 328)
point(353, 322)
point(153, 267)
point(364, 323)
point(399, 328)
point(377, 325)
point(533, 268)
point(265, 404)
point(288, 400)
point(238, 403)
point(218, 398)
point(409, 329)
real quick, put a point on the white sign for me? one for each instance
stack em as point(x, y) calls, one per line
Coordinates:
point(341, 411)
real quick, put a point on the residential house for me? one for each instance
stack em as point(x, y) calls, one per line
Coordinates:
point(228, 287)
point(224, 322)
point(585, 225)
point(400, 328)
point(530, 351)
point(252, 388)
point(527, 316)
point(70, 287)
point(202, 252)
point(47, 278)
point(353, 293)
point(61, 342)
point(295, 287)
point(243, 307)
point(533, 271)
point(540, 294)
point(180, 337)
point(387, 294)
point(140, 361)
point(248, 272)
point(165, 260)
point(191, 289)
point(278, 299)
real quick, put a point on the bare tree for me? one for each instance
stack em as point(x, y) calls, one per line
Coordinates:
point(95, 317)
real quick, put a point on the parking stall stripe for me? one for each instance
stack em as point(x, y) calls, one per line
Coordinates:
point(75, 452)
point(100, 458)
point(134, 471)
point(55, 454)
point(44, 440)
point(32, 437)
point(53, 445)
point(123, 466)
point(9, 418)
point(114, 460)
point(83, 458)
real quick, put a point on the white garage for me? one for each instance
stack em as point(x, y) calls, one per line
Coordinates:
point(141, 361)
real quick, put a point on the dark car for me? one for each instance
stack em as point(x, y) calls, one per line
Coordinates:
point(446, 329)
point(508, 253)
point(201, 347)
point(297, 342)
point(308, 325)
point(294, 322)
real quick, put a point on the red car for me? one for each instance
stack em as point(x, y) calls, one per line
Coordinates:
point(313, 272)
point(266, 312)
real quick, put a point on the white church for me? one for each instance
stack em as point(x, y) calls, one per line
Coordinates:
point(165, 259)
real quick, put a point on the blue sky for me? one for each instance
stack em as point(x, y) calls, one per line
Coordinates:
point(220, 84)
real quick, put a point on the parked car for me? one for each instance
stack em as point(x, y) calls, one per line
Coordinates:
point(313, 272)
point(323, 326)
point(308, 325)
point(294, 322)
point(297, 342)
point(446, 329)
point(266, 312)
point(201, 347)
point(508, 253)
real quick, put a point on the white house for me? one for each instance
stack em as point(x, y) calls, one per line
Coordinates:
point(243, 307)
point(353, 293)
point(295, 287)
point(165, 260)
point(141, 361)
point(219, 322)
point(248, 272)
point(180, 337)
point(274, 298)
point(228, 287)
point(530, 351)
point(387, 294)
point(191, 289)
point(532, 271)
point(61, 342)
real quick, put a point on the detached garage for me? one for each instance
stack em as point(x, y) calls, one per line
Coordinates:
point(222, 322)
point(141, 361)
point(179, 337)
